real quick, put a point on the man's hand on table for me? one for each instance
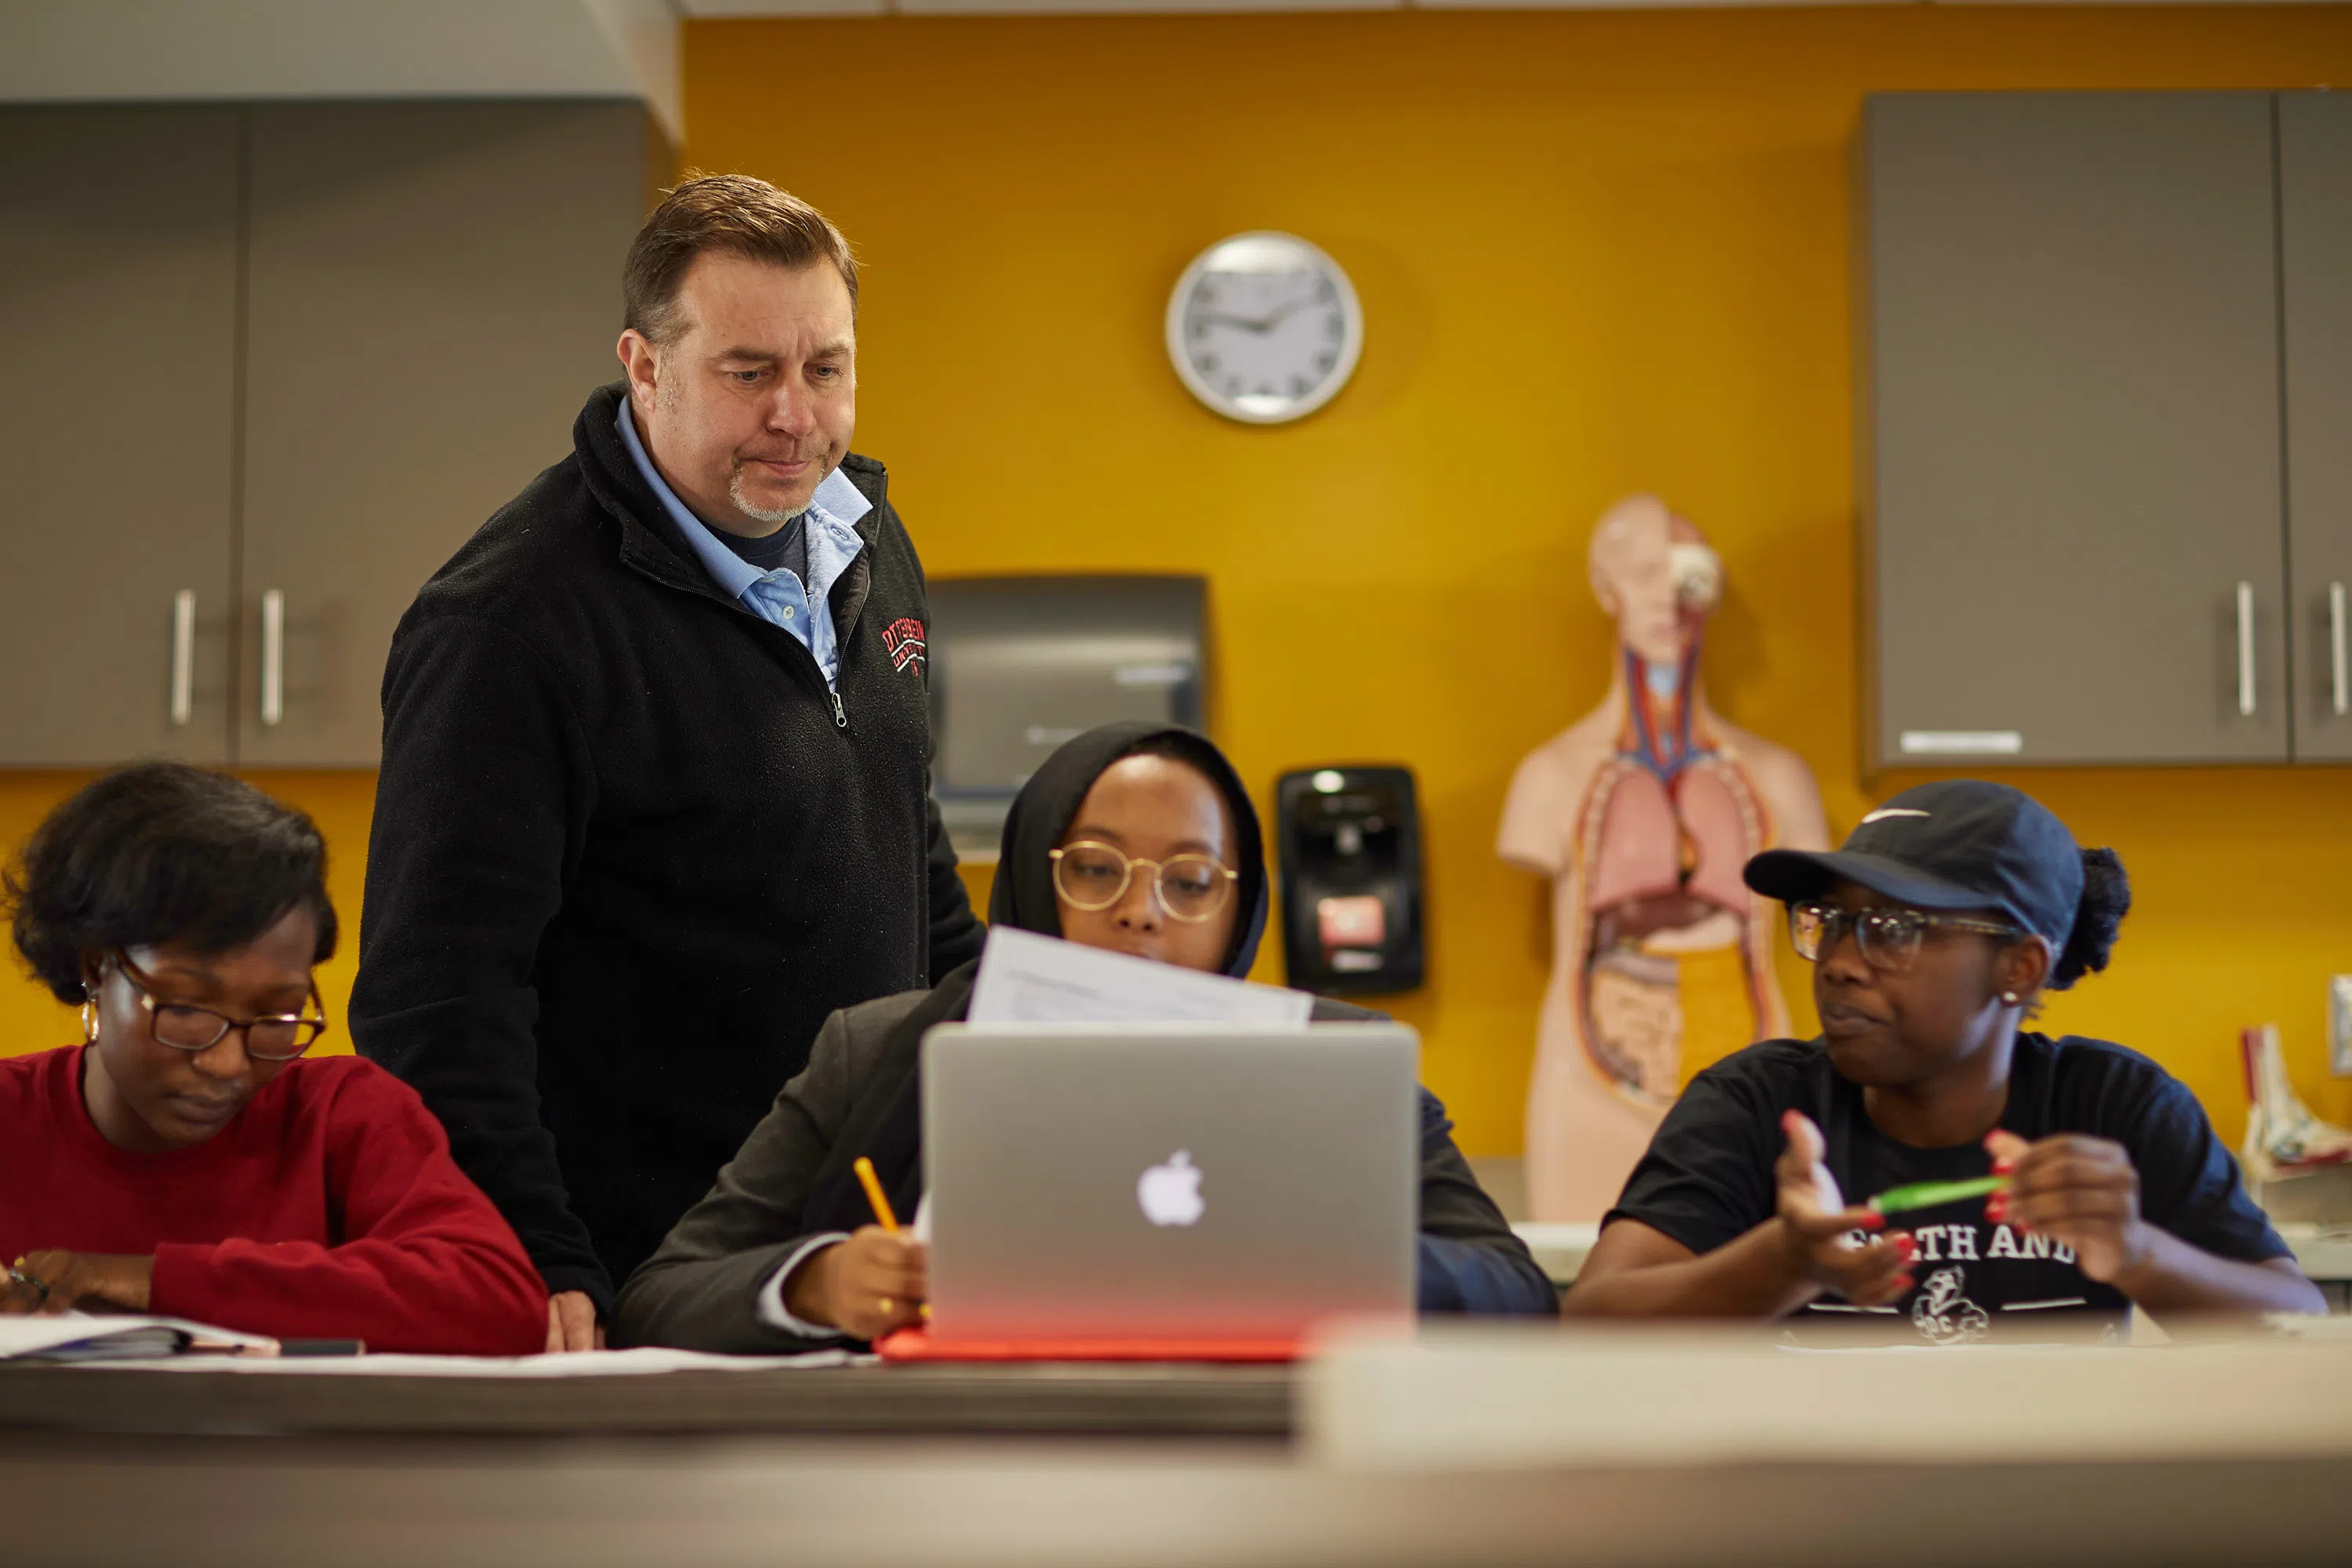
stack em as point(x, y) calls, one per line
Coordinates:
point(572, 1323)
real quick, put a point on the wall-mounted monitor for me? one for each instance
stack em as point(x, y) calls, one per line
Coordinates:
point(1019, 664)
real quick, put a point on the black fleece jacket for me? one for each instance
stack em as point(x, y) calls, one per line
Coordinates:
point(629, 853)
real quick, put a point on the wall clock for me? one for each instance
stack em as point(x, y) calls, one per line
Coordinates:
point(1263, 327)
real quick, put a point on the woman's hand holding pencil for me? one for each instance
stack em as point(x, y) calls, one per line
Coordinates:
point(2080, 1191)
point(869, 1285)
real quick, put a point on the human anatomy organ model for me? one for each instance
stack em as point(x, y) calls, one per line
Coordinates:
point(1642, 813)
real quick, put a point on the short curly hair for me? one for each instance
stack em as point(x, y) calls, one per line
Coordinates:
point(162, 852)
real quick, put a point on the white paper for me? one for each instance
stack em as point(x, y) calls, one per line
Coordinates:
point(578, 1364)
point(1025, 978)
point(28, 1336)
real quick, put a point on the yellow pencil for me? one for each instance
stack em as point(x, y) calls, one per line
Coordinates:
point(875, 1195)
point(881, 1201)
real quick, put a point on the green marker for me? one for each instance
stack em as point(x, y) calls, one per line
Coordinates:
point(1930, 1195)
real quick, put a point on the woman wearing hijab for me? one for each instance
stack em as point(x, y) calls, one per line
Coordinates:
point(1135, 837)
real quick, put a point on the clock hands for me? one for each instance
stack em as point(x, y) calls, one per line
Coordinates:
point(1260, 327)
point(1276, 318)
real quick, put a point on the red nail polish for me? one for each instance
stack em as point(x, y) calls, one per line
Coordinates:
point(1904, 1282)
point(1995, 1208)
point(1873, 1220)
point(2003, 1167)
point(1905, 1245)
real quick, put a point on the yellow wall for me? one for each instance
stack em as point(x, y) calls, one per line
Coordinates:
point(1598, 252)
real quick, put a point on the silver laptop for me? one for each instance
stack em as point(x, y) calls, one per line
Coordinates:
point(1151, 1183)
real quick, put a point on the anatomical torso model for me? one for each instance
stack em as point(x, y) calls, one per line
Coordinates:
point(1642, 813)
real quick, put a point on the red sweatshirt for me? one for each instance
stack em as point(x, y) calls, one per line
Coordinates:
point(327, 1208)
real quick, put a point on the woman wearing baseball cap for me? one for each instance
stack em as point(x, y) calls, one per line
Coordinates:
point(1933, 933)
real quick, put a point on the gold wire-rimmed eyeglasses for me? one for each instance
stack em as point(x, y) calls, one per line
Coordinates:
point(1093, 877)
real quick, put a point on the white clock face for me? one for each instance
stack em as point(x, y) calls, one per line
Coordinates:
point(1265, 327)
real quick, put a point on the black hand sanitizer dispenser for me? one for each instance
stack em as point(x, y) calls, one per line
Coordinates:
point(1351, 855)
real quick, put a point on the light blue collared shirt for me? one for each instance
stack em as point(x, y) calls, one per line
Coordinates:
point(778, 597)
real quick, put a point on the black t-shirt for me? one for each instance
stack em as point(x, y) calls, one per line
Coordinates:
point(1707, 1178)
point(787, 547)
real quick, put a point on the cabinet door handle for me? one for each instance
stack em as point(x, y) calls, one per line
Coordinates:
point(2336, 662)
point(273, 656)
point(2245, 650)
point(183, 655)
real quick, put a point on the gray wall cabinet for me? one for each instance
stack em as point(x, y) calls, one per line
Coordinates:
point(2075, 547)
point(2315, 264)
point(119, 244)
point(380, 321)
point(436, 289)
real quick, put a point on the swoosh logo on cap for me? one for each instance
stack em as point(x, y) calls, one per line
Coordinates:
point(1891, 811)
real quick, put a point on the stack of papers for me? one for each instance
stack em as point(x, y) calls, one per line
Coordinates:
point(80, 1336)
point(178, 1345)
point(573, 1364)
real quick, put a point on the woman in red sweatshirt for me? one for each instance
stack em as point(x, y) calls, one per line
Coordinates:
point(185, 1160)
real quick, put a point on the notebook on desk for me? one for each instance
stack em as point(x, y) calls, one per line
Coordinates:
point(87, 1337)
point(1169, 1192)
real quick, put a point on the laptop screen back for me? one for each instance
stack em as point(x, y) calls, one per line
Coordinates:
point(1102, 1182)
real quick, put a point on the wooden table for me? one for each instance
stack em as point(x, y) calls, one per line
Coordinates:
point(1106, 1399)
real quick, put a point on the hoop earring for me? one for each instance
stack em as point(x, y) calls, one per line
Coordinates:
point(89, 1019)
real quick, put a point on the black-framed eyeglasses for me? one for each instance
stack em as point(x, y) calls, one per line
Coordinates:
point(1093, 877)
point(273, 1037)
point(1889, 939)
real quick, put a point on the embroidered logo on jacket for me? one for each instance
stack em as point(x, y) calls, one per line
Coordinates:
point(904, 639)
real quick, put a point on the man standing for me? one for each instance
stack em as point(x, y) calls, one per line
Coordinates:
point(653, 796)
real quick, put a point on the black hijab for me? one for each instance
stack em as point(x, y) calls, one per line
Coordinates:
point(885, 1120)
point(1022, 896)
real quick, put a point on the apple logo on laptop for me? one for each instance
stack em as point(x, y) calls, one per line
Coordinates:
point(1171, 1194)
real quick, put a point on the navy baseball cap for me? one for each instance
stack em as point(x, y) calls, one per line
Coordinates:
point(1958, 844)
